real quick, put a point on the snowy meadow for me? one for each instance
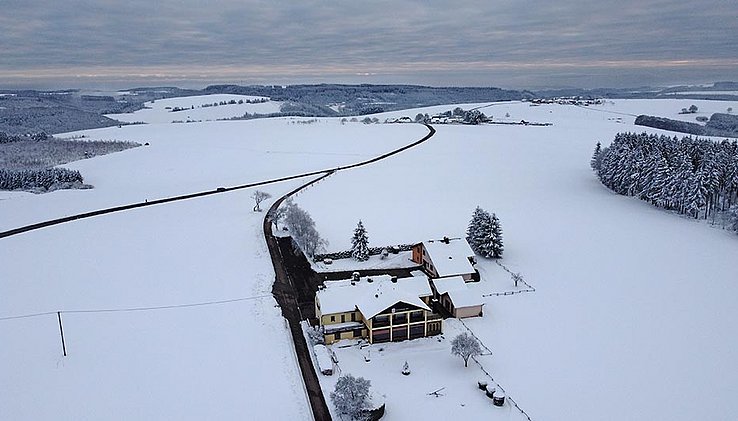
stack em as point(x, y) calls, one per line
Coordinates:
point(632, 317)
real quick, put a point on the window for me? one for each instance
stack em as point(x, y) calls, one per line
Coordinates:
point(353, 317)
point(416, 316)
point(382, 335)
point(357, 333)
point(333, 318)
point(400, 318)
point(399, 334)
point(381, 321)
point(337, 335)
point(417, 331)
point(343, 318)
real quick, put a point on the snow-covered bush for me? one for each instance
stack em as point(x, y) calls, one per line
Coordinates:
point(406, 369)
point(315, 333)
point(351, 396)
point(302, 229)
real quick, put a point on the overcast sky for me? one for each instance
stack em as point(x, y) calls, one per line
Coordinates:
point(515, 44)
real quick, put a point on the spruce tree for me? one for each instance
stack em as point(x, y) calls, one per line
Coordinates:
point(484, 234)
point(360, 243)
point(474, 232)
point(496, 243)
point(595, 161)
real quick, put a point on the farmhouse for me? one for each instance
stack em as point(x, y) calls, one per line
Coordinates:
point(378, 308)
point(453, 294)
point(445, 258)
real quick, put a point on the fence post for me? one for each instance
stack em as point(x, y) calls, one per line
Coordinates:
point(61, 331)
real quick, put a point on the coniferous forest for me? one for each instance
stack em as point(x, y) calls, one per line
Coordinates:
point(693, 176)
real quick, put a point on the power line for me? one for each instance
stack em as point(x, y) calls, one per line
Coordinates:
point(131, 309)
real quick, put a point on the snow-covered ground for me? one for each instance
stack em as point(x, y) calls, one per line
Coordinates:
point(232, 360)
point(224, 361)
point(160, 111)
point(668, 108)
point(433, 368)
point(632, 317)
point(392, 261)
point(185, 158)
point(634, 306)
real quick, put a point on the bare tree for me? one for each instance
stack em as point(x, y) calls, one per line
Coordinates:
point(259, 196)
point(279, 214)
point(465, 346)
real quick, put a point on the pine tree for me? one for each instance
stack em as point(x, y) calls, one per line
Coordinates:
point(496, 243)
point(595, 161)
point(484, 234)
point(474, 234)
point(360, 244)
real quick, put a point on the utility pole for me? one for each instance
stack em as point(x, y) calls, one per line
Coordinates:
point(61, 331)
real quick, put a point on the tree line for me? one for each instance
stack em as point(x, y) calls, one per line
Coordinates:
point(46, 179)
point(693, 176)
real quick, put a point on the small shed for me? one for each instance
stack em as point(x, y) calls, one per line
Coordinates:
point(457, 298)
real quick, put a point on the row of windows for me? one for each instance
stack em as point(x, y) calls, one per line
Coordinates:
point(356, 333)
point(343, 318)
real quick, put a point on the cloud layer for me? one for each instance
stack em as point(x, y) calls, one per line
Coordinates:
point(534, 43)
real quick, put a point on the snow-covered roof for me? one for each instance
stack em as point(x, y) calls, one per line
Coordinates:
point(450, 257)
point(465, 298)
point(457, 290)
point(372, 294)
point(454, 283)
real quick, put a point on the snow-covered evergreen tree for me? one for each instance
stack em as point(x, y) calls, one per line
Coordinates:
point(475, 230)
point(484, 234)
point(595, 161)
point(697, 177)
point(496, 247)
point(360, 243)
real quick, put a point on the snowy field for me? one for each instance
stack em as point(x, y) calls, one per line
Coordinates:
point(223, 361)
point(634, 307)
point(186, 158)
point(632, 317)
point(227, 361)
point(668, 108)
point(160, 111)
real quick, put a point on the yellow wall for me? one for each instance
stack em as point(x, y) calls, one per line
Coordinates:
point(325, 319)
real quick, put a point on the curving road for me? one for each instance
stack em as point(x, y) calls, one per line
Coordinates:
point(284, 291)
point(289, 295)
point(105, 211)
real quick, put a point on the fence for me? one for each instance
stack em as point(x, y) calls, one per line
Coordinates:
point(489, 352)
point(373, 251)
point(516, 277)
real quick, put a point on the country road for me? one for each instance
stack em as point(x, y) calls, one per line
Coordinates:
point(288, 294)
point(105, 211)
